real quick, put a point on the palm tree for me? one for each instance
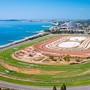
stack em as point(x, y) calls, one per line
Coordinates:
point(63, 87)
point(54, 88)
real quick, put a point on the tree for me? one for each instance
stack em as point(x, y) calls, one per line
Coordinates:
point(54, 88)
point(67, 58)
point(51, 57)
point(63, 87)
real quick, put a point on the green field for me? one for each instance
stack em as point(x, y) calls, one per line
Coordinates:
point(74, 75)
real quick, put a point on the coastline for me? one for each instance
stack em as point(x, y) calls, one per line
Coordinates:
point(13, 31)
point(40, 34)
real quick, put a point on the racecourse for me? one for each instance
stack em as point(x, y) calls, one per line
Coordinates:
point(72, 75)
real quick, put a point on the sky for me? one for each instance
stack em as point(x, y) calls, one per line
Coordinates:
point(44, 9)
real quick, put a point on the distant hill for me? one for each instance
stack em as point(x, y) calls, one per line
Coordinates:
point(84, 22)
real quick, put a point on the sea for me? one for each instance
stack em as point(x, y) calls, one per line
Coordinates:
point(11, 31)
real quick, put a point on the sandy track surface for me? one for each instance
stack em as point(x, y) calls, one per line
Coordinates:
point(41, 47)
point(28, 70)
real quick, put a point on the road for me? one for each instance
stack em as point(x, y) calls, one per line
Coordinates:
point(20, 43)
point(24, 87)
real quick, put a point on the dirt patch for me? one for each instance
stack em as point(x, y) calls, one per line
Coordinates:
point(28, 70)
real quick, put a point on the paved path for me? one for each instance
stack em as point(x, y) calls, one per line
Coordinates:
point(24, 87)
